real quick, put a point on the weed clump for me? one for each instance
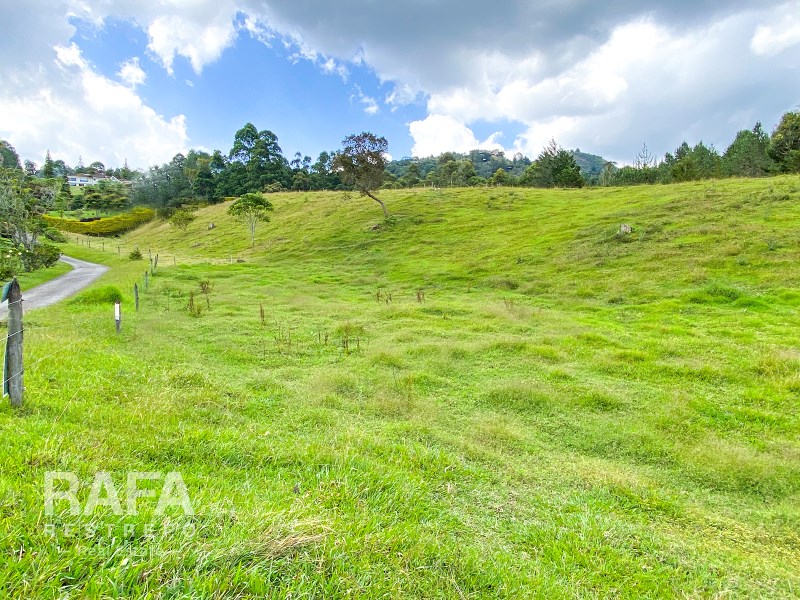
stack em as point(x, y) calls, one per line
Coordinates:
point(135, 255)
point(107, 294)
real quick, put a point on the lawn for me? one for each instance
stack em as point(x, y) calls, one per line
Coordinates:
point(495, 394)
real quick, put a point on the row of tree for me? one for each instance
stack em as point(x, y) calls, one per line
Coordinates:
point(255, 163)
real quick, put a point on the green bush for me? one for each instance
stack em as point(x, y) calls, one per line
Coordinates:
point(135, 255)
point(10, 263)
point(115, 225)
point(54, 235)
point(43, 255)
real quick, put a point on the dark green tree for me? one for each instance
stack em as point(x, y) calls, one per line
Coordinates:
point(361, 163)
point(554, 167)
point(748, 155)
point(48, 170)
point(9, 158)
point(784, 145)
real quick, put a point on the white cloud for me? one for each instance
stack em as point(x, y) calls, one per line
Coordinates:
point(172, 35)
point(370, 104)
point(605, 76)
point(53, 98)
point(441, 133)
point(782, 31)
point(131, 73)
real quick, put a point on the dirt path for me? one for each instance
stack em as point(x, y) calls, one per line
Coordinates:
point(83, 273)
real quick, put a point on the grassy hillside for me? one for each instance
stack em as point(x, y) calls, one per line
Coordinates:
point(494, 395)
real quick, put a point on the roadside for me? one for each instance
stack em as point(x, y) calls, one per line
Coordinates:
point(82, 274)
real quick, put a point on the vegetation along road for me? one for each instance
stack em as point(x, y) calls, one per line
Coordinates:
point(82, 274)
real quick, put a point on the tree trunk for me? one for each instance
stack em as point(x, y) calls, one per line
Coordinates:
point(379, 201)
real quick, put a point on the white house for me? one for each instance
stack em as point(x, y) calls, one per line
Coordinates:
point(84, 180)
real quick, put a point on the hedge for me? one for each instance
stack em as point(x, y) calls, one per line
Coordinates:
point(107, 226)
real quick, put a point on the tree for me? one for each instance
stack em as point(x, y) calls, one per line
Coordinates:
point(747, 156)
point(361, 163)
point(47, 169)
point(23, 201)
point(251, 209)
point(554, 167)
point(9, 158)
point(784, 145)
point(181, 219)
point(64, 197)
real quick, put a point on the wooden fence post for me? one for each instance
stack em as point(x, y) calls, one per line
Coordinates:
point(13, 372)
point(146, 280)
point(155, 264)
point(136, 295)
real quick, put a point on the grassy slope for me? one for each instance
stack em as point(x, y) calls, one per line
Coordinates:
point(567, 412)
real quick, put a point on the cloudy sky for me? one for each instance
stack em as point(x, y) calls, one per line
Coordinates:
point(142, 80)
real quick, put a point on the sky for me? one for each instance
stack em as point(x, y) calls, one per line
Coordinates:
point(141, 80)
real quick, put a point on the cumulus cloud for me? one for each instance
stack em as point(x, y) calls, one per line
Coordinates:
point(605, 76)
point(441, 133)
point(53, 98)
point(131, 73)
point(781, 31)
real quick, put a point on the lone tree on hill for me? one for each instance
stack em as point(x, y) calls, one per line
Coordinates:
point(252, 209)
point(361, 163)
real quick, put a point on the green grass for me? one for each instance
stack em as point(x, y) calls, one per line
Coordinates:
point(494, 395)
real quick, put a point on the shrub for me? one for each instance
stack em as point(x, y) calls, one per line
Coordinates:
point(135, 255)
point(54, 235)
point(108, 226)
point(181, 219)
point(43, 255)
point(10, 263)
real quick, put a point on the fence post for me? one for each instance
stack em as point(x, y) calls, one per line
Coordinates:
point(117, 316)
point(146, 280)
point(136, 295)
point(13, 372)
point(155, 264)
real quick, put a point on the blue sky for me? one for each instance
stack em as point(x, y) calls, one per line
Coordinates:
point(142, 80)
point(310, 110)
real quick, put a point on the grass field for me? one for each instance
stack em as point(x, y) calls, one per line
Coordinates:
point(494, 395)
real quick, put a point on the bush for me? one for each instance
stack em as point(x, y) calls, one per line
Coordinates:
point(108, 226)
point(54, 235)
point(10, 263)
point(43, 255)
point(135, 255)
point(181, 219)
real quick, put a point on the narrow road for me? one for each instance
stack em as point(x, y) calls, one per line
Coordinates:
point(83, 273)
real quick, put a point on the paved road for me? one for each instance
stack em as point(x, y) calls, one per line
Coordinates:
point(83, 273)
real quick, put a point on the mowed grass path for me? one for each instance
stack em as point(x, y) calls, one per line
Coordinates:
point(495, 395)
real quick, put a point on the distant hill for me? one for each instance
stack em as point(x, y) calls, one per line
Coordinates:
point(486, 163)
